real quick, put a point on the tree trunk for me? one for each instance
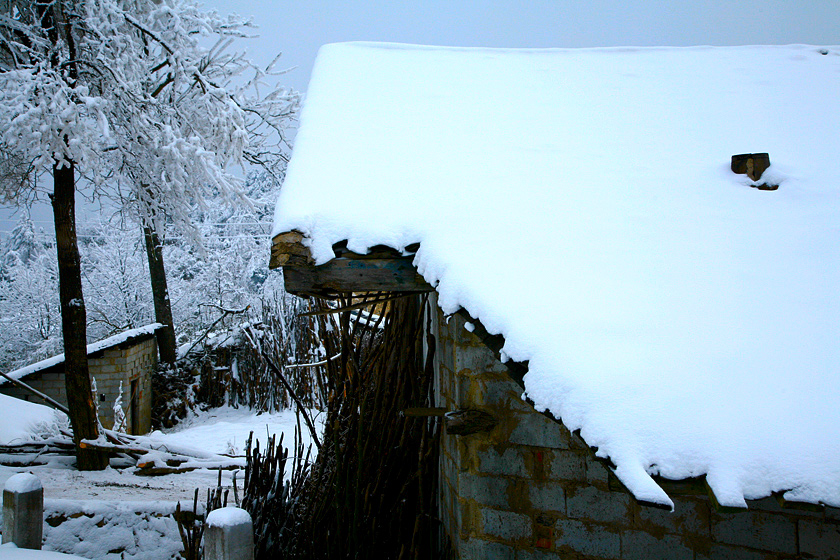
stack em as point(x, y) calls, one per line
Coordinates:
point(74, 322)
point(160, 294)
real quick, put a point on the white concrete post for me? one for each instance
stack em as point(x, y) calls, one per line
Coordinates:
point(23, 511)
point(229, 535)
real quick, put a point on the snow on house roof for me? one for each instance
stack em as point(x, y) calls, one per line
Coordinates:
point(580, 202)
point(92, 348)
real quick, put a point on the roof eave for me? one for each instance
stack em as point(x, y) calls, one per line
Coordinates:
point(382, 269)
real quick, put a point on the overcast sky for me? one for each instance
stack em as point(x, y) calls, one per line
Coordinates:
point(298, 27)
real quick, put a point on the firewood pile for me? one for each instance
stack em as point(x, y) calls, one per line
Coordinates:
point(146, 456)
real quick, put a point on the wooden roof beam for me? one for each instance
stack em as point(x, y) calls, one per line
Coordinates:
point(383, 269)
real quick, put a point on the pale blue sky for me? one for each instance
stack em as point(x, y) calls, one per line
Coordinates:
point(299, 27)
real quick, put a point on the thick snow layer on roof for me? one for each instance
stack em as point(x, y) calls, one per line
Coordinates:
point(580, 203)
point(91, 348)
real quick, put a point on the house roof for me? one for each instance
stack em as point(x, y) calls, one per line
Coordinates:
point(580, 203)
point(125, 337)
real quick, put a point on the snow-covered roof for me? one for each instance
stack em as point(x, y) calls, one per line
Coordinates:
point(580, 202)
point(92, 348)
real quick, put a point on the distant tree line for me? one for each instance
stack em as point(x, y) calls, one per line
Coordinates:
point(121, 99)
point(228, 271)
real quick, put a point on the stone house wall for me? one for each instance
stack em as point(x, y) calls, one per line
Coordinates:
point(134, 360)
point(49, 382)
point(529, 489)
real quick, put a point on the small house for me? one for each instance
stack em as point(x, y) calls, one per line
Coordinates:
point(634, 262)
point(123, 362)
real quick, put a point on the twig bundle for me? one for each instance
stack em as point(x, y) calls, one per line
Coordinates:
point(371, 492)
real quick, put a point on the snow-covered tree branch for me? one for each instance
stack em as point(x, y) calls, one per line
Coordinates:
point(123, 93)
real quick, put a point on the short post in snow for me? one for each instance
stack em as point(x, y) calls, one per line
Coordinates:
point(229, 535)
point(23, 511)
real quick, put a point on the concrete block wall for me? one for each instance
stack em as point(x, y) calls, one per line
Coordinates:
point(50, 383)
point(530, 489)
point(131, 361)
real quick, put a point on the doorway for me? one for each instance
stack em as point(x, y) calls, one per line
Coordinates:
point(134, 407)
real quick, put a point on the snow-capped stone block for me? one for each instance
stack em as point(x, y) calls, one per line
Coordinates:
point(23, 511)
point(230, 535)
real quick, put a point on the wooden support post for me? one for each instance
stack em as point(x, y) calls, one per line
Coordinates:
point(469, 421)
point(230, 535)
point(23, 511)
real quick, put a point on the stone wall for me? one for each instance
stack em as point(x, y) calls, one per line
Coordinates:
point(134, 360)
point(530, 489)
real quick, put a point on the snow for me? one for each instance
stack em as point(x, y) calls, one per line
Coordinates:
point(580, 203)
point(228, 517)
point(91, 348)
point(22, 421)
point(226, 430)
point(9, 551)
point(22, 483)
point(219, 430)
point(114, 514)
point(118, 530)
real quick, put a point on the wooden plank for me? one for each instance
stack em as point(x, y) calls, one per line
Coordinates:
point(469, 421)
point(49, 400)
point(345, 275)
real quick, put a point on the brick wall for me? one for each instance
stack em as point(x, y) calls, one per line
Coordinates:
point(530, 489)
point(130, 361)
point(134, 362)
point(51, 384)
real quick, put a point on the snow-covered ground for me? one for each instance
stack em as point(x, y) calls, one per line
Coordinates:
point(220, 430)
point(115, 514)
point(9, 551)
